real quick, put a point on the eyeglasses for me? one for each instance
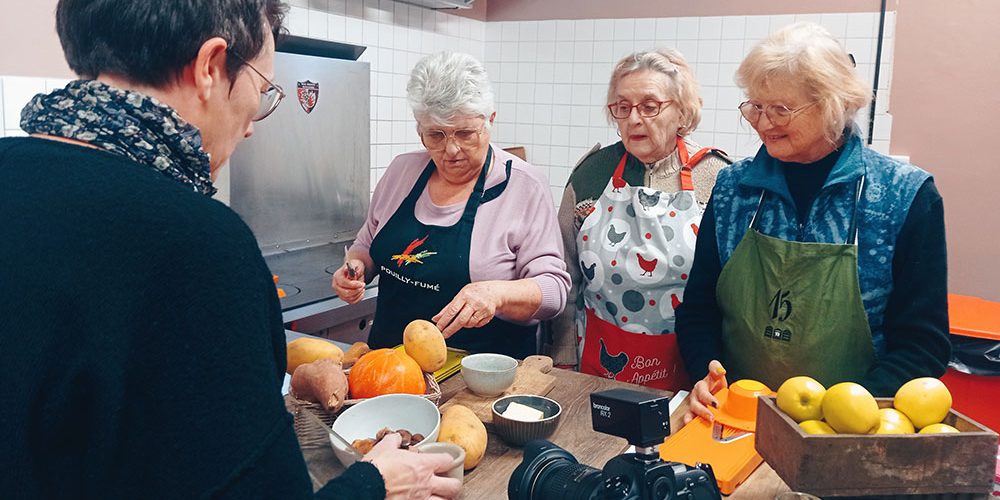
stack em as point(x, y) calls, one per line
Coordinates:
point(647, 109)
point(464, 138)
point(777, 114)
point(269, 97)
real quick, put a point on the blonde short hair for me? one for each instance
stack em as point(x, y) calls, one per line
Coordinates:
point(807, 54)
point(447, 85)
point(683, 85)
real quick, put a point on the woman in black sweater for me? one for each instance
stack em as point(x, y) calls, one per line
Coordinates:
point(141, 341)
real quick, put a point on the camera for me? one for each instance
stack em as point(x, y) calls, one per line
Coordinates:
point(550, 472)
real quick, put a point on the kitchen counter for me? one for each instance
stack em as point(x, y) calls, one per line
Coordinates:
point(572, 390)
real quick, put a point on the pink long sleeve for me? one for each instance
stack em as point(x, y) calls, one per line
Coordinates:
point(515, 236)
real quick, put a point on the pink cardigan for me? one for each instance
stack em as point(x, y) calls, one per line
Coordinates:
point(515, 236)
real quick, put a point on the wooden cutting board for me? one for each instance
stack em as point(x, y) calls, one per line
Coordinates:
point(532, 378)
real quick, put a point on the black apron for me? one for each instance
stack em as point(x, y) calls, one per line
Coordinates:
point(422, 267)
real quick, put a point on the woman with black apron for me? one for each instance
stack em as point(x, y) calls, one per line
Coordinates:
point(462, 234)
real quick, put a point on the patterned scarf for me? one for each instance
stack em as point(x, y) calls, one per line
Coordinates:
point(125, 123)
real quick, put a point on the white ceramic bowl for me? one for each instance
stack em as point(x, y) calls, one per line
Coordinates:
point(488, 374)
point(457, 469)
point(395, 411)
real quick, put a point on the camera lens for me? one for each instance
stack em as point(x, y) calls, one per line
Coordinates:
point(550, 472)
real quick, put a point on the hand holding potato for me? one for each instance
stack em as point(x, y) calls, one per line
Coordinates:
point(473, 306)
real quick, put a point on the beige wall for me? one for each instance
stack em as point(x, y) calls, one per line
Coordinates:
point(521, 10)
point(945, 102)
point(477, 12)
point(29, 41)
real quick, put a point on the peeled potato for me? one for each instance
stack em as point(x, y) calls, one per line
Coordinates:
point(425, 344)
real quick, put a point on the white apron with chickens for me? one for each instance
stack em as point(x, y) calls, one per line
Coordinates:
point(635, 252)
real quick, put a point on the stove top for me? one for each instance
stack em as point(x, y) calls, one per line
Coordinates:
point(306, 274)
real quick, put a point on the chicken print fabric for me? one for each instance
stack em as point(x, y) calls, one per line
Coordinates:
point(635, 250)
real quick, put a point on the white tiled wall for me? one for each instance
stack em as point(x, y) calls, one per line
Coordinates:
point(397, 36)
point(550, 77)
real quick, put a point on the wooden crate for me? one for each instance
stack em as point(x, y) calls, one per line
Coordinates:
point(861, 465)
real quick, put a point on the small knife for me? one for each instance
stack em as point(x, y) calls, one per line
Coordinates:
point(351, 272)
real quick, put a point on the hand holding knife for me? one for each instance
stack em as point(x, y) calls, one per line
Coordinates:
point(351, 271)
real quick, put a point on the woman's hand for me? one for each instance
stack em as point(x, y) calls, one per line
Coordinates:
point(473, 306)
point(408, 474)
point(350, 288)
point(702, 395)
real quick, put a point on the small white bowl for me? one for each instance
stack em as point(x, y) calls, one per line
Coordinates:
point(395, 411)
point(488, 374)
point(457, 469)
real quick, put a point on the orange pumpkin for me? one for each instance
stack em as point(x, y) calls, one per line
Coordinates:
point(386, 371)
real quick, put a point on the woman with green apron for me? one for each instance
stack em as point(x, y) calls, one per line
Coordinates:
point(818, 256)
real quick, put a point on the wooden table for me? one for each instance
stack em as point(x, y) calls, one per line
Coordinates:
point(575, 433)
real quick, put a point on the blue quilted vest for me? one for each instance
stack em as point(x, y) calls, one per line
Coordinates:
point(889, 189)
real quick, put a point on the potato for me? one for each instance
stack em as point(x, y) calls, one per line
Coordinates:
point(354, 353)
point(322, 382)
point(425, 344)
point(459, 425)
point(306, 350)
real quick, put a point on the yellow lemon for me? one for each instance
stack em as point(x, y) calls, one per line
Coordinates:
point(892, 421)
point(938, 429)
point(801, 398)
point(816, 427)
point(925, 400)
point(850, 409)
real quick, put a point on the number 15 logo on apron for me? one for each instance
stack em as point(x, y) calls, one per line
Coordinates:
point(780, 308)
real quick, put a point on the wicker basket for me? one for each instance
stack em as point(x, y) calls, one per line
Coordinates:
point(311, 434)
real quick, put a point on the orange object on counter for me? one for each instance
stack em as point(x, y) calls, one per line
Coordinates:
point(281, 293)
point(974, 395)
point(728, 444)
point(973, 317)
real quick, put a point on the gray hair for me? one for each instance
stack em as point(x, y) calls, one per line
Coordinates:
point(683, 86)
point(446, 85)
point(807, 54)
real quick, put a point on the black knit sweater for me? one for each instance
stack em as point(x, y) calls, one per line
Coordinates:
point(141, 343)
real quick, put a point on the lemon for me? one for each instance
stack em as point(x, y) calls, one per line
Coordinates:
point(925, 400)
point(801, 398)
point(816, 427)
point(892, 421)
point(938, 429)
point(850, 409)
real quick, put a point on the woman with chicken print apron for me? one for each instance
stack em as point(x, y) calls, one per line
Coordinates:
point(629, 219)
point(817, 256)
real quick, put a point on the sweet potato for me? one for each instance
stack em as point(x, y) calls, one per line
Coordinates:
point(322, 382)
point(356, 350)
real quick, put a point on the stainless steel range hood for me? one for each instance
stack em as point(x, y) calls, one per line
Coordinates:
point(441, 4)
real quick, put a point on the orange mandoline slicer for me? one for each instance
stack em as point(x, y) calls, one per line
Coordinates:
point(728, 443)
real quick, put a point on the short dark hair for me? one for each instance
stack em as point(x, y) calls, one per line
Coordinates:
point(149, 42)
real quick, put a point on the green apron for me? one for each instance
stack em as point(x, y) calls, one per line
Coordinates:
point(791, 308)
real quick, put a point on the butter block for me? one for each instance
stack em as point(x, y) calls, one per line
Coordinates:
point(518, 411)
